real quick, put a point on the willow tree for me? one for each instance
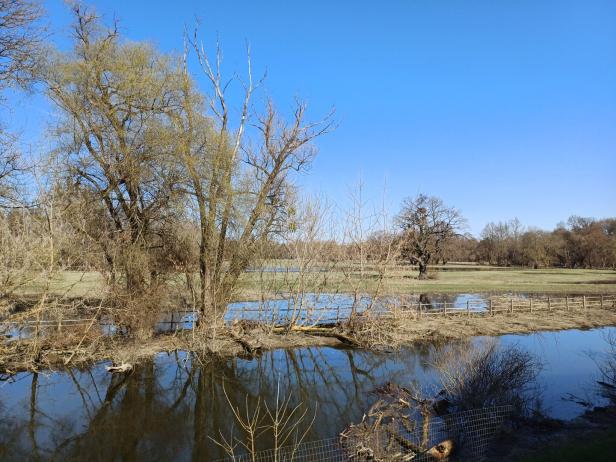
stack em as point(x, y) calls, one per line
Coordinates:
point(427, 225)
point(21, 36)
point(237, 173)
point(113, 145)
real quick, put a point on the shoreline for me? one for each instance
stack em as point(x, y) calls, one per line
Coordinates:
point(248, 340)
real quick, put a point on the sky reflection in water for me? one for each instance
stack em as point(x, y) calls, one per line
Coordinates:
point(169, 408)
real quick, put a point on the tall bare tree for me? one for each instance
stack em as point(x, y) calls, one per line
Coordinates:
point(427, 224)
point(21, 37)
point(20, 41)
point(239, 182)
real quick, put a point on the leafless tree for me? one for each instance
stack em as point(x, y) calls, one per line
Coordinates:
point(238, 183)
point(21, 38)
point(11, 168)
point(427, 224)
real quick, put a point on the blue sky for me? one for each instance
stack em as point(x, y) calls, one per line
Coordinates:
point(503, 108)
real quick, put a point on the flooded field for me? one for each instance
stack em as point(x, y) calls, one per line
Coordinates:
point(172, 408)
point(314, 308)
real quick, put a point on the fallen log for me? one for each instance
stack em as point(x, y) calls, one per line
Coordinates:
point(248, 347)
point(124, 367)
point(319, 331)
point(442, 450)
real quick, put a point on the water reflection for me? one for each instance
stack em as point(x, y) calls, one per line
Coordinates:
point(309, 308)
point(323, 308)
point(172, 407)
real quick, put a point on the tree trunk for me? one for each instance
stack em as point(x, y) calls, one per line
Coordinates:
point(423, 270)
point(202, 281)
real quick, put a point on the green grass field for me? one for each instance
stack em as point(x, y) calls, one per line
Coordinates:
point(452, 280)
point(398, 280)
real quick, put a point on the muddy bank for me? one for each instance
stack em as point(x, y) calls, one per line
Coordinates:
point(71, 349)
point(460, 326)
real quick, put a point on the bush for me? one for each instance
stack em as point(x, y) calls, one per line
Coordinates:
point(487, 375)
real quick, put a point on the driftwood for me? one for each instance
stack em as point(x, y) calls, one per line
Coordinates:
point(319, 331)
point(238, 333)
point(386, 430)
point(442, 450)
point(124, 367)
point(249, 347)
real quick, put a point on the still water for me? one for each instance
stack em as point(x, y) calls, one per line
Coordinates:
point(173, 407)
point(308, 308)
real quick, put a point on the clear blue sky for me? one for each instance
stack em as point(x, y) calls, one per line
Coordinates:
point(502, 108)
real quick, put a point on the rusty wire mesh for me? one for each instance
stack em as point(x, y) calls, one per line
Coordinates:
point(470, 432)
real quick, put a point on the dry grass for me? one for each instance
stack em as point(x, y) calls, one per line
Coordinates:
point(406, 329)
point(82, 345)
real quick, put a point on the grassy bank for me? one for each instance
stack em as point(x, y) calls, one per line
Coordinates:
point(398, 280)
point(77, 347)
point(598, 447)
point(402, 280)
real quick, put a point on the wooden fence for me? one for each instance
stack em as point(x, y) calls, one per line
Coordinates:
point(495, 305)
point(333, 315)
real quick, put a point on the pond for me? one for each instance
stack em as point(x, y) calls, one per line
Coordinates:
point(173, 407)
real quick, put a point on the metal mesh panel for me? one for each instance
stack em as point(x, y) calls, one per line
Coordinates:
point(470, 433)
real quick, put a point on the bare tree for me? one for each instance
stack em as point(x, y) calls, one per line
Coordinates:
point(20, 51)
point(20, 41)
point(11, 168)
point(427, 224)
point(238, 183)
point(311, 260)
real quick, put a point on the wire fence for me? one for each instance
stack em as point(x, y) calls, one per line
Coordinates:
point(277, 316)
point(495, 305)
point(465, 436)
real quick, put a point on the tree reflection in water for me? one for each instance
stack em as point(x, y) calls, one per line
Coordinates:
point(171, 408)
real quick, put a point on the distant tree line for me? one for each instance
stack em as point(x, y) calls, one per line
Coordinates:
point(579, 243)
point(151, 176)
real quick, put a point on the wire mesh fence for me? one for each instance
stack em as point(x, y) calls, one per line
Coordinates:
point(462, 436)
point(325, 314)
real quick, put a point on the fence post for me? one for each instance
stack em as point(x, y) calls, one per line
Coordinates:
point(490, 305)
point(468, 309)
point(511, 306)
point(567, 302)
point(531, 304)
point(419, 309)
point(549, 305)
point(601, 301)
point(584, 302)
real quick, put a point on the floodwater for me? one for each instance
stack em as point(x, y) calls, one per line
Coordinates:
point(308, 308)
point(172, 408)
